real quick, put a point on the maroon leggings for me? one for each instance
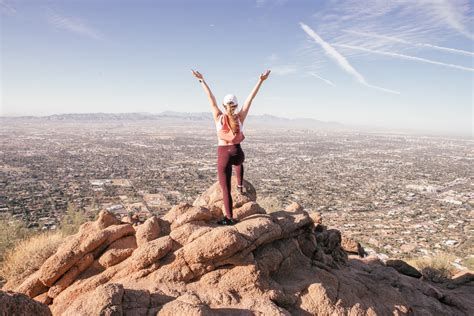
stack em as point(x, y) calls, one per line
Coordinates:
point(228, 155)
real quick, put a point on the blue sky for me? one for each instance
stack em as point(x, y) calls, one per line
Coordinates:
point(398, 64)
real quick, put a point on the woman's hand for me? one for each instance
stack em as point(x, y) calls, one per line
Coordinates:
point(197, 74)
point(264, 76)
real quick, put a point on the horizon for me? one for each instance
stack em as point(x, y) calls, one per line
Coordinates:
point(364, 127)
point(392, 64)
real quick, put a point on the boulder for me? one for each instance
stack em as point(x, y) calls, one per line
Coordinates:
point(294, 207)
point(118, 251)
point(105, 300)
point(192, 214)
point(32, 286)
point(351, 246)
point(147, 231)
point(247, 209)
point(13, 303)
point(150, 252)
point(71, 275)
point(403, 267)
point(106, 219)
point(213, 195)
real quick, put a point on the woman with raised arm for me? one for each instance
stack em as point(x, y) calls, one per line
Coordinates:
point(230, 135)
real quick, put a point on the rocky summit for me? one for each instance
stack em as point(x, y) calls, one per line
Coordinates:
point(184, 263)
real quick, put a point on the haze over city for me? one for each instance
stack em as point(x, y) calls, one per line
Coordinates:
point(393, 64)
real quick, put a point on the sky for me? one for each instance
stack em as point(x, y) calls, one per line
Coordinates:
point(405, 64)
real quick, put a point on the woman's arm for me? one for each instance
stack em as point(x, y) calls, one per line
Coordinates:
point(212, 99)
point(245, 109)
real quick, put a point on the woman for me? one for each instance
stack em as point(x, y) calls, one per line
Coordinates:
point(230, 135)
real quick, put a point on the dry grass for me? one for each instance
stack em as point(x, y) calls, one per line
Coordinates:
point(11, 231)
point(28, 255)
point(469, 263)
point(437, 268)
point(23, 250)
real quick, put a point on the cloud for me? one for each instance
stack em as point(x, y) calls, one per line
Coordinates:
point(410, 21)
point(323, 79)
point(340, 60)
point(425, 16)
point(72, 24)
point(399, 40)
point(454, 14)
point(283, 70)
point(405, 57)
point(272, 63)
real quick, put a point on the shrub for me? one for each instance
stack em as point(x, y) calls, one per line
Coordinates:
point(437, 268)
point(72, 220)
point(11, 231)
point(23, 250)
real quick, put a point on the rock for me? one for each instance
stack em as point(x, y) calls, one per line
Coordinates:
point(192, 214)
point(352, 246)
point(44, 298)
point(294, 207)
point(106, 219)
point(176, 211)
point(105, 300)
point(217, 244)
point(403, 267)
point(188, 232)
point(147, 231)
point(316, 217)
point(247, 209)
point(150, 252)
point(32, 286)
point(283, 263)
point(462, 277)
point(180, 307)
point(213, 195)
point(88, 239)
point(118, 251)
point(13, 303)
point(71, 275)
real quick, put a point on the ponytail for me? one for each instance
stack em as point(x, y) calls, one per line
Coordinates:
point(234, 124)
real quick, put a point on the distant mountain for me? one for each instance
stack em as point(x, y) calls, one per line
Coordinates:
point(265, 119)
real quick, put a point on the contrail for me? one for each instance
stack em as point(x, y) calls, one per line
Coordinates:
point(399, 40)
point(404, 57)
point(323, 79)
point(332, 53)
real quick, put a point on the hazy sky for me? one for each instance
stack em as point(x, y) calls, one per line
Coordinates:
point(404, 63)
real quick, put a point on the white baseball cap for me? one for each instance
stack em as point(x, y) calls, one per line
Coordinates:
point(230, 98)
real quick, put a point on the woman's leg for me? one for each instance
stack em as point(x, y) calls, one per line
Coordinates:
point(224, 172)
point(239, 173)
point(239, 168)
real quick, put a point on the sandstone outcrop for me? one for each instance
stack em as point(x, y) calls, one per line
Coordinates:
point(281, 263)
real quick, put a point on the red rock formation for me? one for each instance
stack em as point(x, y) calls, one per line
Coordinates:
point(282, 263)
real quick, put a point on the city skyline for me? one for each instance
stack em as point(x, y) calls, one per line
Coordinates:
point(395, 64)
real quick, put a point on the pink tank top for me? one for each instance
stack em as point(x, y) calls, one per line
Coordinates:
point(225, 136)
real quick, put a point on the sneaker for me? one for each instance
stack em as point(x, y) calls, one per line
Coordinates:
point(226, 221)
